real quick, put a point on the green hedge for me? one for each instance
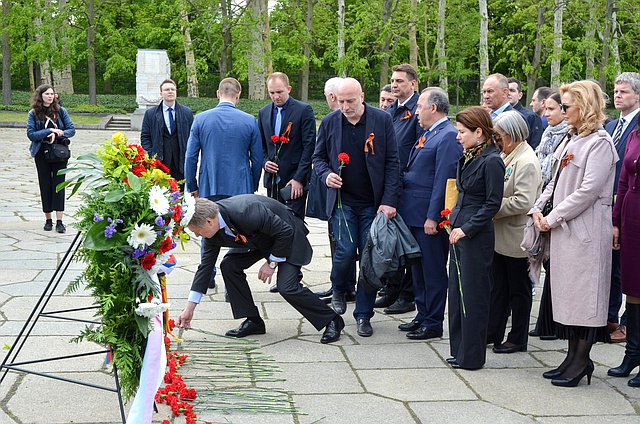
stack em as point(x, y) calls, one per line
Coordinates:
point(113, 103)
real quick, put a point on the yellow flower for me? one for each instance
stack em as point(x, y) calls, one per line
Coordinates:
point(119, 138)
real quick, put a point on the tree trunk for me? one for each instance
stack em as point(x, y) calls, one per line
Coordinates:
point(614, 44)
point(484, 42)
point(65, 78)
point(427, 62)
point(189, 56)
point(606, 42)
point(386, 43)
point(45, 69)
point(537, 53)
point(442, 54)
point(32, 76)
point(413, 41)
point(556, 57)
point(91, 58)
point(226, 53)
point(590, 40)
point(256, 74)
point(6, 54)
point(341, 52)
point(304, 77)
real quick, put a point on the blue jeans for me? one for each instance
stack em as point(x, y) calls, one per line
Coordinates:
point(350, 227)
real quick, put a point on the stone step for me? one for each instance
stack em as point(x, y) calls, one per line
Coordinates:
point(119, 123)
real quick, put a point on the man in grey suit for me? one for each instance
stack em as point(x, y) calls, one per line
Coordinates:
point(165, 130)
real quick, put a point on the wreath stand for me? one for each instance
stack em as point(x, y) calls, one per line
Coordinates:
point(9, 363)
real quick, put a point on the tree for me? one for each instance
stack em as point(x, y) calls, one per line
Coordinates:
point(413, 42)
point(258, 53)
point(6, 54)
point(484, 36)
point(189, 56)
point(341, 51)
point(557, 43)
point(442, 55)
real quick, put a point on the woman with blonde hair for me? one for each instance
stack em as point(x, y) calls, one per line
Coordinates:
point(575, 208)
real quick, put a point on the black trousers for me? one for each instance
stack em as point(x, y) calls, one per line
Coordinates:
point(233, 267)
point(48, 179)
point(510, 295)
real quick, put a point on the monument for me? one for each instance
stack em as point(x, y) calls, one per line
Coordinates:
point(152, 67)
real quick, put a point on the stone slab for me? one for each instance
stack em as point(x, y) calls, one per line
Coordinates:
point(352, 409)
point(466, 412)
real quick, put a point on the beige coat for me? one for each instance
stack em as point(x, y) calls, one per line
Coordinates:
point(581, 231)
point(522, 185)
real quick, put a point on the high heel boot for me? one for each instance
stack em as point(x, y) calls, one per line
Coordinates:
point(573, 382)
point(632, 351)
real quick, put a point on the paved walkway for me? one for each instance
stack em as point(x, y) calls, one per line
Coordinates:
point(382, 379)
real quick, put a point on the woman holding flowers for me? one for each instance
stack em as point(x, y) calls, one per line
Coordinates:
point(578, 217)
point(511, 290)
point(480, 180)
point(46, 124)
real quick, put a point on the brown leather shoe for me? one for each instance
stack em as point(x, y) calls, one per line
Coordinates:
point(619, 335)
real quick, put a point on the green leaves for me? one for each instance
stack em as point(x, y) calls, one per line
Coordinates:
point(95, 239)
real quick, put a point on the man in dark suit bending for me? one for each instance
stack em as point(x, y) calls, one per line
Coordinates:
point(255, 228)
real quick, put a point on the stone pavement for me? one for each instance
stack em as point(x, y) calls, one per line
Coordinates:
point(382, 379)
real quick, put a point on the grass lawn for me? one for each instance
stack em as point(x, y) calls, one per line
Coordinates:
point(7, 116)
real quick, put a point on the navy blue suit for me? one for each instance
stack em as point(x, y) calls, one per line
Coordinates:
point(407, 127)
point(294, 158)
point(534, 123)
point(422, 198)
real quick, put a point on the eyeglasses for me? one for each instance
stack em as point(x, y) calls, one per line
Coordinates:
point(564, 107)
point(497, 137)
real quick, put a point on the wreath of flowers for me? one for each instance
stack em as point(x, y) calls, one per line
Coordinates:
point(132, 216)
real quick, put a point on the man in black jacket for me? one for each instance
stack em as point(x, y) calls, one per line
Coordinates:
point(256, 227)
point(165, 130)
point(534, 123)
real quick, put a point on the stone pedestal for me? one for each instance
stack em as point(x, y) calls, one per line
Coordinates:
point(152, 67)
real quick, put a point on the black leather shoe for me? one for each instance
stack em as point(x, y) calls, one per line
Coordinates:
point(212, 284)
point(332, 330)
point(247, 328)
point(549, 337)
point(409, 326)
point(534, 333)
point(456, 365)
point(351, 296)
point(551, 374)
point(451, 360)
point(339, 303)
point(400, 307)
point(364, 327)
point(325, 293)
point(423, 333)
point(273, 289)
point(384, 302)
point(48, 225)
point(509, 347)
point(625, 368)
point(60, 228)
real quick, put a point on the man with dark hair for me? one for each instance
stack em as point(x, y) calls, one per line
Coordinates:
point(533, 120)
point(398, 295)
point(386, 97)
point(537, 103)
point(256, 228)
point(288, 132)
point(367, 185)
point(432, 161)
point(165, 130)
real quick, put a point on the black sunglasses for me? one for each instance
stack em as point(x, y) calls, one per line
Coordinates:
point(564, 107)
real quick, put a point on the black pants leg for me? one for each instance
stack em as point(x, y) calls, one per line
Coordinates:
point(48, 180)
point(232, 267)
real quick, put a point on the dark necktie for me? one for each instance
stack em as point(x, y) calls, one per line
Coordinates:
point(617, 134)
point(276, 127)
point(170, 110)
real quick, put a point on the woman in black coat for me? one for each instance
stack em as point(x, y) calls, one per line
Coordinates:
point(480, 181)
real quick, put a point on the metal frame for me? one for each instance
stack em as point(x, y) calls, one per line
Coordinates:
point(9, 363)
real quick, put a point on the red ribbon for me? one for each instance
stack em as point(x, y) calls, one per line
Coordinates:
point(368, 144)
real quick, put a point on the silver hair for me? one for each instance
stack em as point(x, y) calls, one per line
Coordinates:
point(331, 86)
point(437, 96)
point(513, 125)
point(205, 209)
point(631, 78)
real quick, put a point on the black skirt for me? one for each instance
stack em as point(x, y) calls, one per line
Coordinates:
point(590, 334)
point(545, 327)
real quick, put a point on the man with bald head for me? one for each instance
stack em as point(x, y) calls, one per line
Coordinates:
point(368, 184)
point(495, 94)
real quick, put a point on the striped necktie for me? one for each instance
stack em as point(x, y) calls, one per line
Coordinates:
point(617, 134)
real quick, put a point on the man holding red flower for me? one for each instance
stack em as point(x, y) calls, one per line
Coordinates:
point(368, 185)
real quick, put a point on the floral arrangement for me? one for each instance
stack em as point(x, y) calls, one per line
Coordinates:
point(132, 216)
point(446, 224)
point(343, 159)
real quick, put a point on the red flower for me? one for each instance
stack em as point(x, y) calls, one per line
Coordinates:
point(177, 213)
point(172, 324)
point(165, 246)
point(445, 212)
point(173, 184)
point(275, 138)
point(139, 153)
point(126, 181)
point(138, 170)
point(444, 223)
point(165, 422)
point(148, 261)
point(284, 140)
point(343, 158)
point(161, 166)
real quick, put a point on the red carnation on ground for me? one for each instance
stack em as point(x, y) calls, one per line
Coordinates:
point(148, 261)
point(161, 166)
point(138, 170)
point(275, 138)
point(165, 246)
point(343, 158)
point(177, 213)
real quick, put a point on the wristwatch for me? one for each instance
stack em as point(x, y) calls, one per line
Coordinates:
point(273, 264)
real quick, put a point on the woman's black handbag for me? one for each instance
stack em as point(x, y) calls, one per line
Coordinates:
point(58, 151)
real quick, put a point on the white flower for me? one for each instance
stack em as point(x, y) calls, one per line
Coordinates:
point(188, 208)
point(141, 235)
point(158, 200)
point(151, 309)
